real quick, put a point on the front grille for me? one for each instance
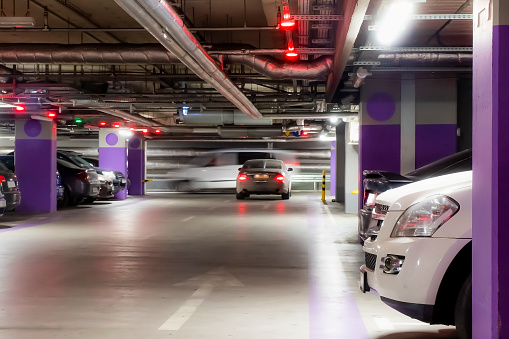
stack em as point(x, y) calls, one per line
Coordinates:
point(370, 260)
point(381, 209)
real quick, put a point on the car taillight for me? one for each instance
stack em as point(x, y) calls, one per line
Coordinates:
point(280, 177)
point(2, 178)
point(83, 176)
point(365, 197)
point(242, 177)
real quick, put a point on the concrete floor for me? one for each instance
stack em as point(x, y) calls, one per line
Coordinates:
point(192, 266)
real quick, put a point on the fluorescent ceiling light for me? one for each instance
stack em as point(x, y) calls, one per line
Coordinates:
point(41, 117)
point(6, 105)
point(16, 22)
point(395, 20)
point(125, 133)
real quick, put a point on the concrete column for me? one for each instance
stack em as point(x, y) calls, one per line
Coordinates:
point(380, 130)
point(36, 165)
point(490, 278)
point(113, 153)
point(136, 160)
point(340, 162)
point(407, 124)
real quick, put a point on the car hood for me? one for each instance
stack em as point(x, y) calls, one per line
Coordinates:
point(401, 198)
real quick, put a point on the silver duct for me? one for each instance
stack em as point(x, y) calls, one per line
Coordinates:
point(317, 69)
point(166, 26)
point(131, 117)
point(425, 59)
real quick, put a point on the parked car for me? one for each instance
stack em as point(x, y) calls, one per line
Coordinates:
point(420, 263)
point(217, 170)
point(264, 176)
point(377, 182)
point(105, 177)
point(79, 183)
point(10, 188)
point(8, 161)
point(120, 182)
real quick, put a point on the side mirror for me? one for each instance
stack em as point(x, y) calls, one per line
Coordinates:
point(290, 169)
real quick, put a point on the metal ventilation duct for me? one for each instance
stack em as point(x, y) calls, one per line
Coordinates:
point(425, 59)
point(166, 26)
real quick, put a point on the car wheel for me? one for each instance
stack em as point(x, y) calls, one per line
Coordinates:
point(463, 310)
point(239, 196)
point(65, 199)
point(285, 196)
point(89, 200)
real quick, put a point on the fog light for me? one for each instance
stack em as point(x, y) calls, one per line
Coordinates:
point(392, 263)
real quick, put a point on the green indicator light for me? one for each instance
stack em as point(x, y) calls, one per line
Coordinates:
point(78, 121)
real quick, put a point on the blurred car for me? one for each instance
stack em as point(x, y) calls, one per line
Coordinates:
point(264, 176)
point(421, 261)
point(377, 182)
point(216, 170)
point(79, 183)
point(105, 177)
point(60, 189)
point(120, 182)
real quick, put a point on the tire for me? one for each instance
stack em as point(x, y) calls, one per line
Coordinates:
point(286, 196)
point(89, 200)
point(239, 196)
point(463, 310)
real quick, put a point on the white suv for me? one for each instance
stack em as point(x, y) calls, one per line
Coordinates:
point(420, 262)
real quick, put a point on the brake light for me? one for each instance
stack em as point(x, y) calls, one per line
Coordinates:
point(83, 176)
point(2, 178)
point(242, 177)
point(280, 177)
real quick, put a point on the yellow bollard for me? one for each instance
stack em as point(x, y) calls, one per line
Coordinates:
point(323, 187)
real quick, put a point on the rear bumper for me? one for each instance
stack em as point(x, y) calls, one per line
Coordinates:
point(262, 187)
point(12, 200)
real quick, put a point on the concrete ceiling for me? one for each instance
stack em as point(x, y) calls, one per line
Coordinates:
point(156, 92)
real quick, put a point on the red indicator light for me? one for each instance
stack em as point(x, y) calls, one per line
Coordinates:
point(132, 129)
point(286, 13)
point(242, 177)
point(2, 178)
point(116, 125)
point(52, 114)
point(288, 24)
point(102, 123)
point(19, 108)
point(144, 131)
point(280, 177)
point(158, 131)
point(305, 133)
point(290, 52)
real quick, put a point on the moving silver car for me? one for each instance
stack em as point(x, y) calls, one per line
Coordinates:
point(264, 176)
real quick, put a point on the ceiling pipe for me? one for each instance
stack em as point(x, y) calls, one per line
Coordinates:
point(130, 117)
point(159, 18)
point(425, 59)
point(317, 69)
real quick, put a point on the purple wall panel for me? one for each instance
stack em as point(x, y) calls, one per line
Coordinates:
point(36, 166)
point(379, 149)
point(433, 142)
point(136, 161)
point(333, 165)
point(114, 158)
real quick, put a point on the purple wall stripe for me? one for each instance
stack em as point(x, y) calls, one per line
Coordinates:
point(433, 142)
point(36, 166)
point(114, 158)
point(136, 163)
point(333, 165)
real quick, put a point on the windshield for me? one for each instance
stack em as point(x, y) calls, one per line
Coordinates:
point(82, 162)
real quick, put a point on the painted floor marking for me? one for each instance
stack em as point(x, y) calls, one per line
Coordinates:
point(384, 324)
point(331, 217)
point(266, 206)
point(211, 208)
point(179, 318)
point(187, 219)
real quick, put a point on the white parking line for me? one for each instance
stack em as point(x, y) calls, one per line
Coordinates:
point(384, 324)
point(331, 217)
point(187, 219)
point(227, 201)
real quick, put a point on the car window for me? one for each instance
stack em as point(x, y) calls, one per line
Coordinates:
point(226, 159)
point(245, 156)
point(8, 161)
point(254, 164)
point(3, 167)
point(67, 164)
point(273, 164)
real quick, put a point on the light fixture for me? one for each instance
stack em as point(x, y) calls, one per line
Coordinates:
point(157, 131)
point(78, 120)
point(19, 108)
point(290, 52)
point(185, 109)
point(51, 114)
point(132, 129)
point(102, 123)
point(125, 132)
point(394, 21)
point(17, 22)
point(116, 125)
point(287, 23)
point(144, 131)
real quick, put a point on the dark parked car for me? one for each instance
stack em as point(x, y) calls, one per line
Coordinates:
point(8, 161)
point(79, 183)
point(377, 182)
point(120, 182)
point(105, 177)
point(10, 188)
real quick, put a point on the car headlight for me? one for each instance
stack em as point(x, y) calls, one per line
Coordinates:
point(425, 217)
point(109, 174)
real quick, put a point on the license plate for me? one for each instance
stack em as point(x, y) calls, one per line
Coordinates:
point(363, 283)
point(11, 184)
point(95, 190)
point(261, 176)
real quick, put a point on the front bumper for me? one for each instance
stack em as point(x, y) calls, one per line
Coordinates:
point(363, 226)
point(414, 289)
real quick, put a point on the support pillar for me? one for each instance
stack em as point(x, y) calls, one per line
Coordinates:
point(332, 186)
point(36, 165)
point(490, 278)
point(340, 162)
point(351, 170)
point(113, 153)
point(136, 165)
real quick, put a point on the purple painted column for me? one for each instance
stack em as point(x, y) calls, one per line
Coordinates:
point(36, 165)
point(380, 135)
point(333, 169)
point(136, 165)
point(490, 283)
point(113, 153)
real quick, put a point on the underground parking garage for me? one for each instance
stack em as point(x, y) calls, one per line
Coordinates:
point(149, 109)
